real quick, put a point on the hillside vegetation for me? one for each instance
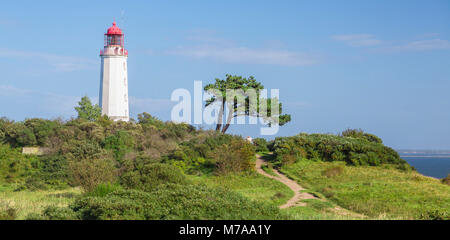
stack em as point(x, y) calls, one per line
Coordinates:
point(135, 170)
point(356, 171)
point(150, 169)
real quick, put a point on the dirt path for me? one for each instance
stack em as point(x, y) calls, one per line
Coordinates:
point(298, 196)
point(295, 200)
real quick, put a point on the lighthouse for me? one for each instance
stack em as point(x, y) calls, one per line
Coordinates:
point(113, 96)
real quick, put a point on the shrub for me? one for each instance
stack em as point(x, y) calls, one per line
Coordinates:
point(152, 175)
point(446, 180)
point(352, 147)
point(54, 213)
point(435, 215)
point(90, 172)
point(42, 129)
point(59, 213)
point(359, 133)
point(174, 201)
point(260, 144)
point(235, 157)
point(8, 213)
point(20, 135)
point(121, 143)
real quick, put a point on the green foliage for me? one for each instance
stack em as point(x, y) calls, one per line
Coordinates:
point(151, 176)
point(8, 214)
point(239, 105)
point(212, 152)
point(446, 180)
point(54, 213)
point(120, 143)
point(90, 172)
point(18, 134)
point(238, 156)
point(260, 144)
point(168, 129)
point(103, 189)
point(88, 111)
point(173, 201)
point(42, 129)
point(358, 151)
point(13, 165)
point(376, 192)
point(359, 133)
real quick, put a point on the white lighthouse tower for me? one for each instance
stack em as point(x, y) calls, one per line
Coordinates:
point(113, 77)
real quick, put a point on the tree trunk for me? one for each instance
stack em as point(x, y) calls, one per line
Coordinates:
point(220, 117)
point(230, 117)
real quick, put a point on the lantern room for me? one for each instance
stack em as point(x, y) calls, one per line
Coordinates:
point(114, 36)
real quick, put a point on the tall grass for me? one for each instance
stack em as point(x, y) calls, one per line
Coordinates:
point(27, 202)
point(376, 192)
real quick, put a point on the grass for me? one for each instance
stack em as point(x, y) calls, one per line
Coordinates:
point(311, 213)
point(376, 192)
point(26, 202)
point(251, 185)
point(268, 169)
point(258, 187)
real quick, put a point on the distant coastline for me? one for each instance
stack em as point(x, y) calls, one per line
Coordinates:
point(421, 151)
point(426, 156)
point(430, 163)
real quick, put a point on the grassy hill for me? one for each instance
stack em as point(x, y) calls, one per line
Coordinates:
point(149, 169)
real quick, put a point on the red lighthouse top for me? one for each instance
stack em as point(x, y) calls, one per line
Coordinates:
point(114, 36)
point(114, 30)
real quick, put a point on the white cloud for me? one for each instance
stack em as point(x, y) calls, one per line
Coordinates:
point(207, 46)
point(34, 103)
point(245, 55)
point(424, 45)
point(358, 40)
point(56, 62)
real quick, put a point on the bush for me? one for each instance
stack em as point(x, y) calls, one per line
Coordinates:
point(260, 144)
point(151, 176)
point(360, 134)
point(8, 214)
point(54, 213)
point(174, 201)
point(121, 143)
point(354, 147)
point(88, 173)
point(446, 180)
point(19, 135)
point(236, 157)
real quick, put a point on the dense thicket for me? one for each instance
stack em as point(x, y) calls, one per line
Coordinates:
point(352, 146)
point(86, 153)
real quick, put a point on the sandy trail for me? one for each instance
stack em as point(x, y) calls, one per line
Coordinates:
point(295, 200)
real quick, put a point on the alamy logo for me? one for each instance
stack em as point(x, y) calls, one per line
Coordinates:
point(225, 107)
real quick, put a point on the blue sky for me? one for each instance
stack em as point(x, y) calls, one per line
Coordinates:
point(383, 66)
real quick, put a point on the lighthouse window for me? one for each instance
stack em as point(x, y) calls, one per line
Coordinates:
point(124, 66)
point(125, 81)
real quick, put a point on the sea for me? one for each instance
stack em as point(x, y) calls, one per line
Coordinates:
point(428, 163)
